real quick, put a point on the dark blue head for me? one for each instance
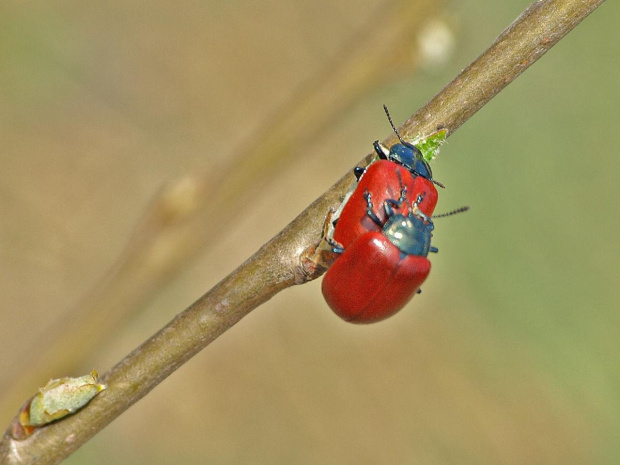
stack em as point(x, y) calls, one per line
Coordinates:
point(411, 158)
point(406, 154)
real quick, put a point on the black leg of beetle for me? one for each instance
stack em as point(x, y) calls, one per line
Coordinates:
point(358, 171)
point(424, 217)
point(389, 204)
point(433, 249)
point(336, 247)
point(369, 211)
point(419, 291)
point(379, 150)
point(416, 203)
point(418, 212)
point(403, 188)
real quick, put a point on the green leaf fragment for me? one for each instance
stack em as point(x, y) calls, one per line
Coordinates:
point(429, 145)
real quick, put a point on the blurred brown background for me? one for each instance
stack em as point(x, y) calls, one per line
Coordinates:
point(510, 355)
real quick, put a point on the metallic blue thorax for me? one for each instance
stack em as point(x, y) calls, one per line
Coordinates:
point(411, 234)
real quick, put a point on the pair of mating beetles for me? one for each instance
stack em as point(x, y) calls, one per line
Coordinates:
point(383, 236)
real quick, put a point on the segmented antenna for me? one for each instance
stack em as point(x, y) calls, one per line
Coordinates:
point(453, 212)
point(406, 144)
point(393, 127)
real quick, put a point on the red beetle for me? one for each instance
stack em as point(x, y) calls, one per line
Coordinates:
point(384, 180)
point(380, 271)
point(402, 169)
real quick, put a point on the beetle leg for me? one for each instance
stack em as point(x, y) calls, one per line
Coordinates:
point(403, 187)
point(419, 199)
point(358, 171)
point(381, 150)
point(389, 204)
point(417, 211)
point(369, 211)
point(403, 194)
point(422, 215)
point(336, 247)
point(374, 218)
point(433, 249)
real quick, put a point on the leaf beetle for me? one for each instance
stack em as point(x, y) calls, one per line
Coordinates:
point(401, 165)
point(380, 271)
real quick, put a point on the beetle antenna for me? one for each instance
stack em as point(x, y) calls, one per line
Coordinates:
point(453, 212)
point(415, 149)
point(393, 127)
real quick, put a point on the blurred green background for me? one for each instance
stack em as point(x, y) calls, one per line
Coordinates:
point(510, 355)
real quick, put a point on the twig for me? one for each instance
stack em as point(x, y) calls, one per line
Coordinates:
point(279, 264)
point(179, 222)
